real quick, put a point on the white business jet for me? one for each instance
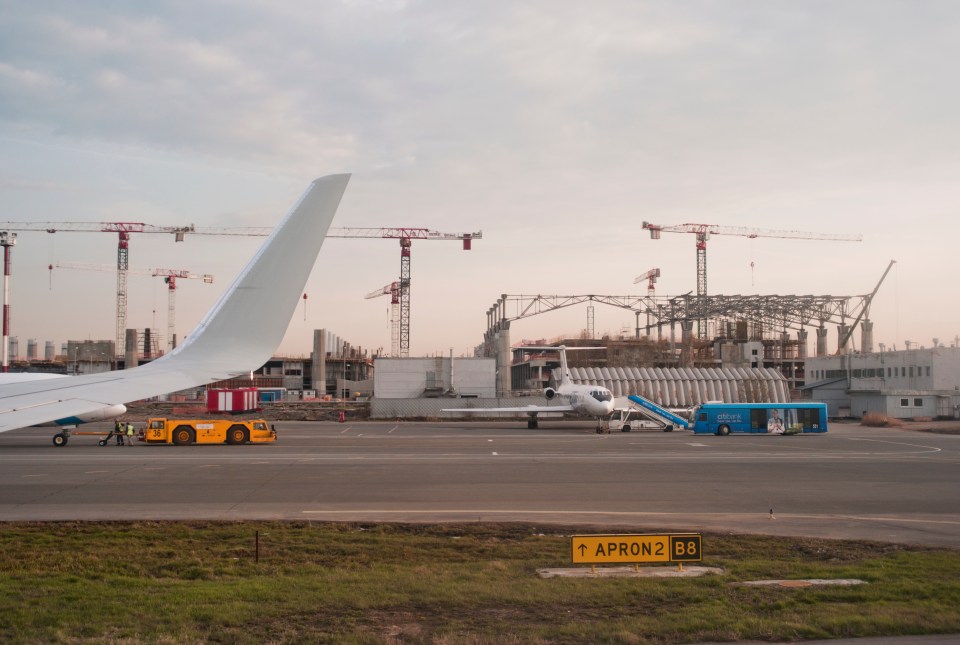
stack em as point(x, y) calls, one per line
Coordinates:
point(588, 400)
point(238, 335)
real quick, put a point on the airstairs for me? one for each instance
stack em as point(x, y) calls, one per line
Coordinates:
point(646, 414)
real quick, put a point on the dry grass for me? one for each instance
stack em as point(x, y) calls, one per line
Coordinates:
point(877, 420)
point(476, 584)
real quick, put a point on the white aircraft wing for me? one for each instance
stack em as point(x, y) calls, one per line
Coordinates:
point(238, 335)
point(527, 409)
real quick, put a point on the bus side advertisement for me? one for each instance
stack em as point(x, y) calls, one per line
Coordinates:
point(760, 418)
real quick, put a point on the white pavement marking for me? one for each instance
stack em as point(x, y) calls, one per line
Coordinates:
point(390, 431)
point(901, 443)
point(346, 429)
point(691, 517)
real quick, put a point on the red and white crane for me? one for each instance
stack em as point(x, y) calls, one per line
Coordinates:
point(124, 229)
point(651, 278)
point(392, 290)
point(406, 237)
point(704, 231)
point(169, 276)
point(7, 240)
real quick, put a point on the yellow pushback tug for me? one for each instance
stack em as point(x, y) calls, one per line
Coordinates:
point(184, 432)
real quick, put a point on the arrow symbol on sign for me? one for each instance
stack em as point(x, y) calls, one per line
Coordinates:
point(583, 549)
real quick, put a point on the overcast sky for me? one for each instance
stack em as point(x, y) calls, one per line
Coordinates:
point(554, 127)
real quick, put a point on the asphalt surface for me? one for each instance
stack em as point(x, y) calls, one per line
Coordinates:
point(889, 485)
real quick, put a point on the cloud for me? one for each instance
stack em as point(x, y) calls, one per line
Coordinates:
point(554, 126)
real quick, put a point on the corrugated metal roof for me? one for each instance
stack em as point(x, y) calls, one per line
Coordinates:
point(688, 386)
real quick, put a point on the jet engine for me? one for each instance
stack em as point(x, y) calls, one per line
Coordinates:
point(549, 393)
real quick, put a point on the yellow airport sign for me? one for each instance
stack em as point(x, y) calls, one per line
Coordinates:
point(608, 549)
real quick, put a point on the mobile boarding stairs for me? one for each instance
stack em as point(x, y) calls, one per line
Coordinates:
point(646, 414)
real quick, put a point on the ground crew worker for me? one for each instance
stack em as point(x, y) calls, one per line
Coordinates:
point(120, 432)
point(113, 433)
point(129, 434)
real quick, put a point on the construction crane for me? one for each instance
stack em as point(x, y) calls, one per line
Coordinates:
point(393, 290)
point(651, 278)
point(7, 241)
point(704, 231)
point(124, 229)
point(406, 236)
point(169, 276)
point(865, 315)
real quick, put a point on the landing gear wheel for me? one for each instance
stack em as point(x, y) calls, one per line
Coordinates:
point(183, 435)
point(625, 428)
point(236, 435)
point(723, 430)
point(59, 439)
point(531, 424)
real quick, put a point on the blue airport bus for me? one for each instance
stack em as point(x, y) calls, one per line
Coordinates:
point(770, 418)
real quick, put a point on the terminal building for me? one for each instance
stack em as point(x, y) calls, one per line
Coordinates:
point(905, 384)
point(915, 383)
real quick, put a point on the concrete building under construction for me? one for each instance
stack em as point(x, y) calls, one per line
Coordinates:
point(758, 332)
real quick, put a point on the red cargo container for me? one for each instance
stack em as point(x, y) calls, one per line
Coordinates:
point(240, 400)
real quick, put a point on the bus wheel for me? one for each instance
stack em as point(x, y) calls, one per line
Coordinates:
point(723, 430)
point(236, 435)
point(625, 428)
point(183, 435)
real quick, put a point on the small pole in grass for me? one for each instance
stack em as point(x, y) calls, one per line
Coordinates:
point(257, 551)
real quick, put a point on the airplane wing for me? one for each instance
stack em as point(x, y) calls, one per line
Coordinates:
point(528, 409)
point(238, 335)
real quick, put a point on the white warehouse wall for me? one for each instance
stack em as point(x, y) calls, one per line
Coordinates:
point(407, 378)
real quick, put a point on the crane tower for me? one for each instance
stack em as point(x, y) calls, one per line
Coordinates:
point(704, 231)
point(7, 240)
point(169, 277)
point(124, 229)
point(406, 236)
point(651, 278)
point(393, 290)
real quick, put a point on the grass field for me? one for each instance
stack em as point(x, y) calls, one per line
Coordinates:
point(198, 582)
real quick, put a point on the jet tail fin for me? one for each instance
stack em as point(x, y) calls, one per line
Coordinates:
point(253, 313)
point(240, 333)
point(564, 372)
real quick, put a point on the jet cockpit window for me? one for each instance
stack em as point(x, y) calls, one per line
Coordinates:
point(601, 395)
